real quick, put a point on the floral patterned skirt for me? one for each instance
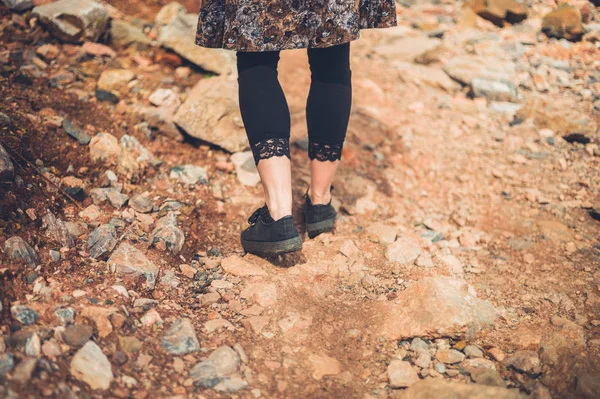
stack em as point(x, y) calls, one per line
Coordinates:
point(269, 25)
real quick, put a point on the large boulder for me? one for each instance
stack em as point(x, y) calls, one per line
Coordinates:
point(179, 36)
point(564, 22)
point(211, 113)
point(74, 21)
point(436, 307)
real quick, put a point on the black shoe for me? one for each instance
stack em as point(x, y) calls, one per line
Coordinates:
point(266, 236)
point(318, 218)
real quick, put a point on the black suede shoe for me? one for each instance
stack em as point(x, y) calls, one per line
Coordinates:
point(318, 218)
point(266, 236)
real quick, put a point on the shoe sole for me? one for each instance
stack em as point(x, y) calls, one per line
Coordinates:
point(273, 248)
point(314, 229)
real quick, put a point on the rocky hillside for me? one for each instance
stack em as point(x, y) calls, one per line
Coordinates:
point(466, 258)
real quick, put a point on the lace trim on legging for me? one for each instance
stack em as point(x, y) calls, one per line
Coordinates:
point(267, 148)
point(324, 151)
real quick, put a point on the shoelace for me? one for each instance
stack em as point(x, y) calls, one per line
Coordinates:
point(256, 215)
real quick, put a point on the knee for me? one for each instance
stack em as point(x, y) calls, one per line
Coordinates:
point(331, 64)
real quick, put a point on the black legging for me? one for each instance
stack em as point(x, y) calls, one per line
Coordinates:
point(265, 110)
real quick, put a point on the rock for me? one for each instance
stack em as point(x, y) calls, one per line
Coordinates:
point(437, 307)
point(471, 351)
point(564, 22)
point(190, 174)
point(423, 360)
point(401, 374)
point(449, 356)
point(245, 168)
point(220, 366)
point(179, 36)
point(158, 119)
point(488, 377)
point(165, 98)
point(91, 366)
point(18, 5)
point(130, 261)
point(394, 47)
point(104, 147)
point(323, 365)
point(24, 314)
point(498, 11)
point(238, 266)
point(5, 120)
point(106, 96)
point(51, 349)
point(98, 50)
point(404, 251)
point(497, 354)
point(100, 316)
point(77, 335)
point(169, 279)
point(115, 79)
point(465, 68)
point(134, 157)
point(56, 230)
point(263, 293)
point(33, 346)
point(73, 21)
point(168, 13)
point(17, 249)
point(418, 345)
point(7, 169)
point(211, 113)
point(386, 234)
point(78, 134)
point(440, 389)
point(91, 213)
point(495, 90)
point(525, 362)
point(65, 315)
point(167, 231)
point(125, 34)
point(180, 338)
point(563, 115)
point(7, 363)
point(116, 198)
point(426, 76)
point(101, 241)
point(256, 323)
point(151, 318)
point(22, 373)
point(141, 203)
point(218, 324)
point(130, 344)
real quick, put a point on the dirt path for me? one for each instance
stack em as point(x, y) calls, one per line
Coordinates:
point(466, 251)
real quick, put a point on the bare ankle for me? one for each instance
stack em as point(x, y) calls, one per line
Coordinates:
point(319, 197)
point(277, 211)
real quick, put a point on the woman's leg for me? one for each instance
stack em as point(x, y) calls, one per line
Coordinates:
point(327, 113)
point(266, 119)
